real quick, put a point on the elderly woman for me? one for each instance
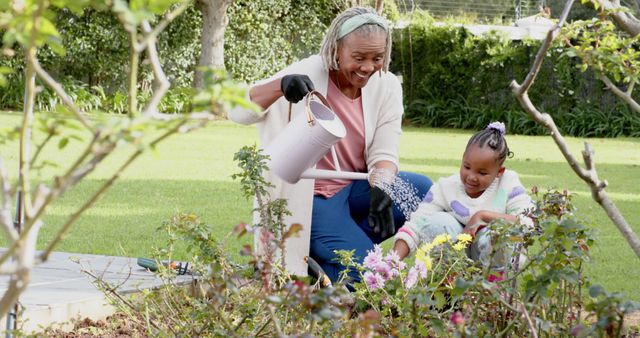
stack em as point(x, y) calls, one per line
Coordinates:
point(352, 73)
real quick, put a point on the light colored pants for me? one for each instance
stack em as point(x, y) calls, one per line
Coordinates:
point(481, 247)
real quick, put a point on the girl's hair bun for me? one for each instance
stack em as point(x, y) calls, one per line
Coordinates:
point(498, 126)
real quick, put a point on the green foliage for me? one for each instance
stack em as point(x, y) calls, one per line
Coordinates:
point(264, 36)
point(452, 296)
point(454, 79)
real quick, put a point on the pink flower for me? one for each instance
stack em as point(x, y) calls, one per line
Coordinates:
point(384, 270)
point(374, 258)
point(373, 280)
point(412, 278)
point(420, 269)
point(393, 257)
point(457, 318)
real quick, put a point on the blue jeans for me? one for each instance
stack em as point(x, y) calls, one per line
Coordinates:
point(341, 223)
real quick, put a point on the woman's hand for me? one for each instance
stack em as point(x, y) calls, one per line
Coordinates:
point(295, 86)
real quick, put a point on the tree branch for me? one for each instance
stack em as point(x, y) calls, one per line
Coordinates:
point(49, 81)
point(163, 83)
point(626, 21)
point(5, 211)
point(589, 175)
point(623, 95)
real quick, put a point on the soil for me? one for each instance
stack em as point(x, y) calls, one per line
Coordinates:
point(120, 326)
point(115, 326)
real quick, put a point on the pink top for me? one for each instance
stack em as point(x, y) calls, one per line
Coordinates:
point(350, 149)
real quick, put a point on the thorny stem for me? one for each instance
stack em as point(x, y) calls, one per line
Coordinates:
point(111, 291)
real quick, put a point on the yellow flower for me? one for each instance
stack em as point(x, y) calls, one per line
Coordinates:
point(459, 246)
point(423, 257)
point(464, 238)
point(441, 239)
point(426, 247)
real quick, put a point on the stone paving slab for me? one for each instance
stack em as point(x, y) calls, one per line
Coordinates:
point(60, 292)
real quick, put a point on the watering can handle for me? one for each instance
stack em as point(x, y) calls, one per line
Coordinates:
point(307, 109)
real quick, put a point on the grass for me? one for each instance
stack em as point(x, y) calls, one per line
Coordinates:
point(192, 173)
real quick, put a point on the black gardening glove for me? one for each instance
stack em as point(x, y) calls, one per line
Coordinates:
point(381, 213)
point(295, 87)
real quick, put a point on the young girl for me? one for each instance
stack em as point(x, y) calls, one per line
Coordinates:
point(482, 192)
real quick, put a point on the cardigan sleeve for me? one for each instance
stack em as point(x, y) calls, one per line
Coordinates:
point(517, 199)
point(412, 232)
point(388, 128)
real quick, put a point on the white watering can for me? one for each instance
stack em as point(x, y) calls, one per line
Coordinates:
point(307, 139)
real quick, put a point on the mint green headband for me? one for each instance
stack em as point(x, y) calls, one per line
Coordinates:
point(354, 22)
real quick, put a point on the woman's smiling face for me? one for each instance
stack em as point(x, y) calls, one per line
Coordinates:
point(360, 56)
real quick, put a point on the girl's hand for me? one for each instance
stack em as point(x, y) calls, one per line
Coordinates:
point(473, 229)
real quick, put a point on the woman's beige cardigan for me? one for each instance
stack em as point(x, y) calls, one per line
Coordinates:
point(383, 109)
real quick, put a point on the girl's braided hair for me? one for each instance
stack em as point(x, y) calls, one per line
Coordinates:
point(493, 137)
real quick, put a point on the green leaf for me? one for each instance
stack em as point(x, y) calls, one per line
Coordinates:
point(595, 291)
point(63, 142)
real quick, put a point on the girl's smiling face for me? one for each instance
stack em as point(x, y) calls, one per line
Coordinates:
point(478, 169)
point(360, 56)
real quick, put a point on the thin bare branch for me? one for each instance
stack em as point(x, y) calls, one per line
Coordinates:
point(527, 318)
point(39, 149)
point(24, 262)
point(5, 211)
point(623, 95)
point(161, 79)
point(7, 225)
point(66, 99)
point(25, 140)
point(630, 88)
point(626, 21)
point(589, 175)
point(17, 284)
point(546, 44)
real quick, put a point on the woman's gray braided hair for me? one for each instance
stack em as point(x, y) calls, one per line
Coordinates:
point(493, 137)
point(329, 47)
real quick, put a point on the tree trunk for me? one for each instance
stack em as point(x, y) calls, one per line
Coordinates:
point(379, 6)
point(214, 23)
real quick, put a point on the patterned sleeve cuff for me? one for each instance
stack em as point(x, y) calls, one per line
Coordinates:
point(408, 237)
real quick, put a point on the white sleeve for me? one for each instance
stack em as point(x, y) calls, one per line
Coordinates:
point(517, 199)
point(412, 232)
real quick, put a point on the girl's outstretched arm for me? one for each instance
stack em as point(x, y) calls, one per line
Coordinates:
point(483, 217)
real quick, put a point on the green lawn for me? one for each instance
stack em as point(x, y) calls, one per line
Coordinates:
point(192, 172)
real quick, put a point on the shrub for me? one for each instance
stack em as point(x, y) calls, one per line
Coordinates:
point(454, 79)
point(440, 292)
